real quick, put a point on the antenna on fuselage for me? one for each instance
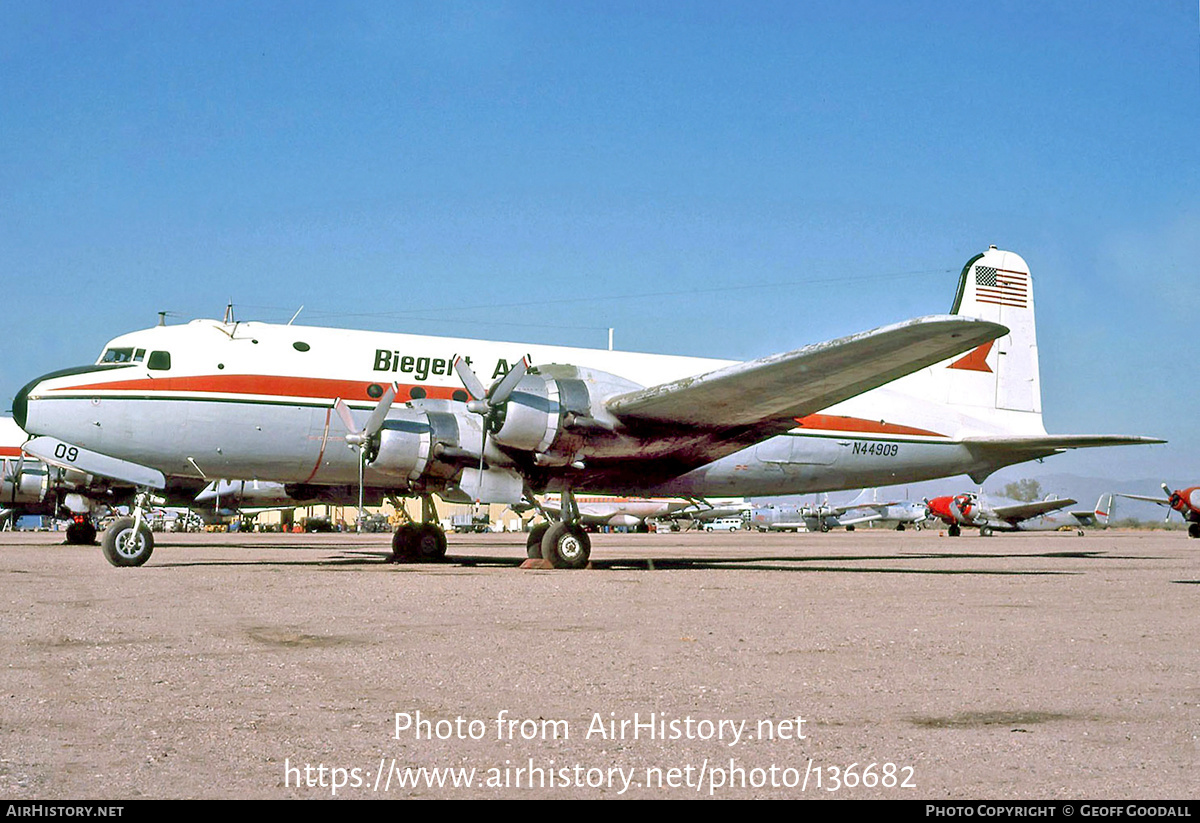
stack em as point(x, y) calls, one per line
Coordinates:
point(228, 313)
point(162, 318)
point(297, 314)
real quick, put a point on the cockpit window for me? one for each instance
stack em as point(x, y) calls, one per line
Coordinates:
point(117, 356)
point(159, 360)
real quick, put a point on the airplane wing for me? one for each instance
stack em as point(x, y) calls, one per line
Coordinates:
point(860, 518)
point(1162, 501)
point(768, 394)
point(1024, 511)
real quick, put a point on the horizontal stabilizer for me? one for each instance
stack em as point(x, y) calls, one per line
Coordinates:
point(773, 391)
point(1050, 443)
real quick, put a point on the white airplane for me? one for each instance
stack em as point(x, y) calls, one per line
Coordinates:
point(212, 399)
point(1185, 501)
point(633, 512)
point(22, 479)
point(29, 486)
point(825, 517)
point(1042, 515)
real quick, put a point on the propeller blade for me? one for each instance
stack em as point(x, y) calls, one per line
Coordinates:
point(339, 405)
point(503, 390)
point(380, 413)
point(469, 380)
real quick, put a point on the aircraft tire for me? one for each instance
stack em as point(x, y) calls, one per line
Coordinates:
point(566, 546)
point(122, 547)
point(81, 534)
point(403, 540)
point(1194, 530)
point(850, 528)
point(985, 532)
point(954, 530)
point(533, 543)
point(900, 527)
point(428, 544)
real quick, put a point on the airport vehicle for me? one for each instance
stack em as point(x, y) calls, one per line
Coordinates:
point(1042, 515)
point(1185, 501)
point(725, 524)
point(283, 403)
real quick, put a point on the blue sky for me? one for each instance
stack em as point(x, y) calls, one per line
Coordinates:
point(720, 179)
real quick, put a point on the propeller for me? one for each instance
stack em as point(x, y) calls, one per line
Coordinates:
point(365, 439)
point(1174, 503)
point(489, 403)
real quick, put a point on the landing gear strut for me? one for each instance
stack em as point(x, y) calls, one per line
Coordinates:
point(423, 542)
point(565, 545)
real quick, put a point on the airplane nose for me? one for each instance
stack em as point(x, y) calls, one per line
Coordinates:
point(20, 404)
point(21, 401)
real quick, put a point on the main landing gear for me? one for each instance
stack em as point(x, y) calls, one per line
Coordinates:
point(81, 532)
point(423, 542)
point(563, 544)
point(129, 541)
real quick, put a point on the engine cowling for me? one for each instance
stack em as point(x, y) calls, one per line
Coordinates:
point(436, 447)
point(1190, 499)
point(20, 483)
point(556, 414)
point(555, 411)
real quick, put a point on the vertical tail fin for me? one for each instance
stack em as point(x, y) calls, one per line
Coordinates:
point(1104, 507)
point(998, 381)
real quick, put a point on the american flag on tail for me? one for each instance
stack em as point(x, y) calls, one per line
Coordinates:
point(1001, 287)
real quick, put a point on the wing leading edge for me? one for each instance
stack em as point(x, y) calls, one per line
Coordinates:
point(770, 393)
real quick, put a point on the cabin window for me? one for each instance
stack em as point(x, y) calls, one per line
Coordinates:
point(300, 345)
point(159, 361)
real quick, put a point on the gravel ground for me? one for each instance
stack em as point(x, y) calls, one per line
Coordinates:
point(883, 664)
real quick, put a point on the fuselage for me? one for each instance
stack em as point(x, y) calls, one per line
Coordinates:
point(209, 399)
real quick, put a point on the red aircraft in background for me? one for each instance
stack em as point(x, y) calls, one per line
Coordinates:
point(1184, 501)
point(1041, 515)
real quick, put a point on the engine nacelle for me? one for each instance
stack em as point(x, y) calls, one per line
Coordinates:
point(435, 446)
point(552, 412)
point(24, 486)
point(1191, 499)
point(965, 508)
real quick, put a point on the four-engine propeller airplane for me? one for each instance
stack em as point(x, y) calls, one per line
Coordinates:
point(178, 405)
point(1185, 501)
point(824, 517)
point(972, 510)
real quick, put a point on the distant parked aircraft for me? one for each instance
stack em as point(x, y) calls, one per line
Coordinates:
point(823, 517)
point(1185, 501)
point(1043, 515)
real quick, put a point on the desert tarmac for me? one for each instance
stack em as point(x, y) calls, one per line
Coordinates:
point(872, 664)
